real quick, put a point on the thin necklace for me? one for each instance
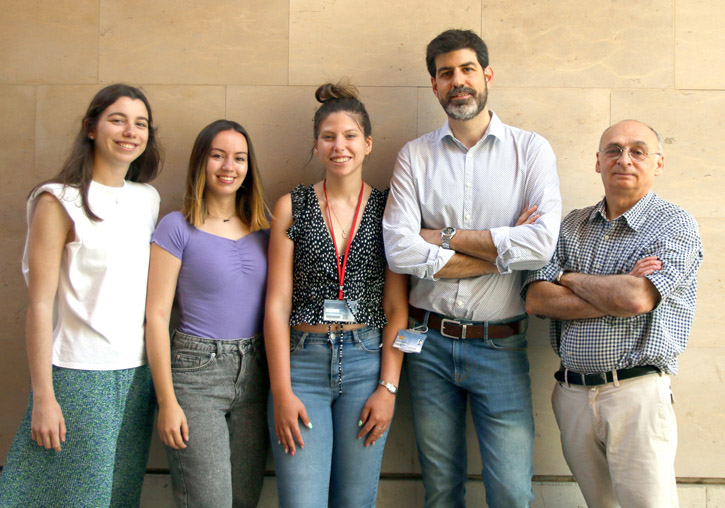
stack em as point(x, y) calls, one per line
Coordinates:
point(344, 233)
point(219, 218)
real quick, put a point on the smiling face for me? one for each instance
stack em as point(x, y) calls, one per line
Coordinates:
point(624, 179)
point(226, 165)
point(341, 144)
point(121, 133)
point(460, 84)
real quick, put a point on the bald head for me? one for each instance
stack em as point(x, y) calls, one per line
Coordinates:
point(657, 140)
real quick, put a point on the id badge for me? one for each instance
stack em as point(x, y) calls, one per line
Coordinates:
point(339, 311)
point(410, 341)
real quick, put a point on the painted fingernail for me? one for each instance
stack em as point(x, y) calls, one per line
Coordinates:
point(359, 423)
point(309, 425)
point(279, 442)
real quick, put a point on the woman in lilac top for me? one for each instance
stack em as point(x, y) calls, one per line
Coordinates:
point(211, 377)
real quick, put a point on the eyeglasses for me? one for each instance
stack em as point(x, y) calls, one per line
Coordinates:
point(637, 154)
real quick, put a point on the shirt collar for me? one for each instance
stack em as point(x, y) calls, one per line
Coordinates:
point(495, 128)
point(635, 217)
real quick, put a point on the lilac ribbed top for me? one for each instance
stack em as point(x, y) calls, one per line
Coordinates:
point(222, 282)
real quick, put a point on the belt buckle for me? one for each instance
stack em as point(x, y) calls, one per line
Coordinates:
point(453, 321)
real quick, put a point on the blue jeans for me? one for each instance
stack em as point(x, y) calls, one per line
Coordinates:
point(222, 387)
point(334, 468)
point(494, 373)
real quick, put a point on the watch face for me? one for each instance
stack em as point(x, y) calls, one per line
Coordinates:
point(448, 231)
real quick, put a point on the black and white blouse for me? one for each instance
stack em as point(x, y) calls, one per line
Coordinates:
point(315, 276)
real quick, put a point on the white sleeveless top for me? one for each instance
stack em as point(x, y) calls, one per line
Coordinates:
point(98, 318)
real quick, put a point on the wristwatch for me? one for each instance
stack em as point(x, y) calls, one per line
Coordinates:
point(447, 234)
point(389, 386)
point(559, 275)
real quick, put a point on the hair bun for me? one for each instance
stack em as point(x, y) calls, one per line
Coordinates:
point(340, 90)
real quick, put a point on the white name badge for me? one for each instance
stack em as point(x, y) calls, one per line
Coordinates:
point(409, 341)
point(339, 311)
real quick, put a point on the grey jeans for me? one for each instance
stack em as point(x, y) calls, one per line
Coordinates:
point(222, 387)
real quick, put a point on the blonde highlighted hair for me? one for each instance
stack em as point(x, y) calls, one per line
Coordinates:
point(250, 205)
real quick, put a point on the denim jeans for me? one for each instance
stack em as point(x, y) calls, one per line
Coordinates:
point(222, 387)
point(494, 373)
point(334, 468)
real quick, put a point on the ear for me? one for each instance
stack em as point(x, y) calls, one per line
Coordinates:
point(435, 86)
point(596, 167)
point(660, 165)
point(368, 145)
point(314, 147)
point(488, 74)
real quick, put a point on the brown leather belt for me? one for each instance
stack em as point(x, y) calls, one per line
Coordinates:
point(454, 329)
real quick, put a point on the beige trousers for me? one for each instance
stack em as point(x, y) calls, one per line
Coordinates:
point(619, 440)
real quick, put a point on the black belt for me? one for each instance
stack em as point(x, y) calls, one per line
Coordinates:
point(456, 330)
point(601, 378)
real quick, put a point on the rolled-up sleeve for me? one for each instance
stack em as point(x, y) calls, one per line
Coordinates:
point(406, 250)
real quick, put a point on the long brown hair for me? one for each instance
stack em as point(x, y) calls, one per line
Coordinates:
point(250, 204)
point(77, 170)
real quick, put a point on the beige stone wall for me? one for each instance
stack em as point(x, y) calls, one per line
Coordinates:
point(564, 68)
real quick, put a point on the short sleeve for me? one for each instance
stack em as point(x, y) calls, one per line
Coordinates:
point(172, 234)
point(299, 195)
point(680, 249)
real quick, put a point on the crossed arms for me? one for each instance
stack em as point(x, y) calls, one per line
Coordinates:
point(584, 296)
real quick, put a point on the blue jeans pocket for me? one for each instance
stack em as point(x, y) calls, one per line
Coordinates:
point(190, 360)
point(369, 341)
point(512, 343)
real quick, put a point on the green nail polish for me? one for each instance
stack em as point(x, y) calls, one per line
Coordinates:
point(359, 423)
point(309, 425)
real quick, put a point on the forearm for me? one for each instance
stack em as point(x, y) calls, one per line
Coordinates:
point(546, 299)
point(477, 244)
point(462, 266)
point(277, 345)
point(158, 350)
point(616, 295)
point(39, 345)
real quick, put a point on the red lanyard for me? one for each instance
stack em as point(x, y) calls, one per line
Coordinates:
point(341, 269)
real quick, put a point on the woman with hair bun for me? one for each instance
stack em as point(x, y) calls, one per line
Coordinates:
point(211, 376)
point(85, 437)
point(332, 314)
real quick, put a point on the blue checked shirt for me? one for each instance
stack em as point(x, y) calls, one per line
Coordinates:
point(590, 243)
point(438, 182)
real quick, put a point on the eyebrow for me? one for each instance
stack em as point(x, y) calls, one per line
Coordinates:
point(126, 116)
point(634, 143)
point(450, 67)
point(221, 150)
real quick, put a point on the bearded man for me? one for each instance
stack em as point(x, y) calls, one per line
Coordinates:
point(472, 205)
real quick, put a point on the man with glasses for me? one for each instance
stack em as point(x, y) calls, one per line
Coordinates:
point(621, 293)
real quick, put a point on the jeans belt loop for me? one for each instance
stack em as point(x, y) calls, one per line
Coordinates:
point(566, 378)
point(485, 330)
point(615, 378)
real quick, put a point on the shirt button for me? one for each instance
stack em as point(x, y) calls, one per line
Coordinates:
point(468, 216)
point(606, 237)
point(460, 304)
point(469, 184)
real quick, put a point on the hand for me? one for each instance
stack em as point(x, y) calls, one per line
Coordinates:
point(47, 425)
point(432, 236)
point(528, 216)
point(376, 415)
point(288, 410)
point(173, 429)
point(646, 266)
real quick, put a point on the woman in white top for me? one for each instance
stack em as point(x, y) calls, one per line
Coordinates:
point(84, 438)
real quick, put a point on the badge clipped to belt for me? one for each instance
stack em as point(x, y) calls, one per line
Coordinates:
point(411, 340)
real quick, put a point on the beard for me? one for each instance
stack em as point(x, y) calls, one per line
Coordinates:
point(465, 109)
